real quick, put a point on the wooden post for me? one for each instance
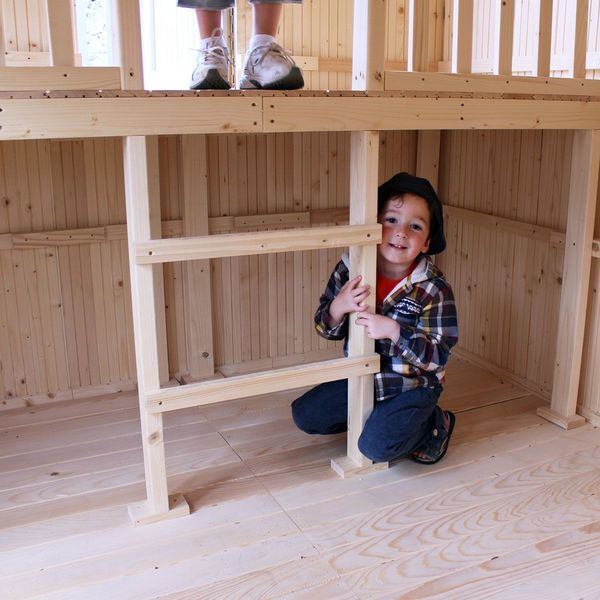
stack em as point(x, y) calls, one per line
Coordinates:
point(140, 156)
point(580, 41)
point(419, 22)
point(62, 38)
point(544, 39)
point(428, 155)
point(368, 49)
point(583, 193)
point(505, 18)
point(2, 42)
point(197, 284)
point(364, 159)
point(126, 15)
point(462, 36)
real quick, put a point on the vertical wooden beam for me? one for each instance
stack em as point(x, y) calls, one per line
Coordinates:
point(544, 38)
point(505, 18)
point(462, 36)
point(62, 38)
point(140, 156)
point(2, 42)
point(583, 194)
point(428, 155)
point(580, 42)
point(126, 16)
point(419, 23)
point(368, 50)
point(364, 160)
point(197, 282)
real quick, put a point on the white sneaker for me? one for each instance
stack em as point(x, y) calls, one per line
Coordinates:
point(212, 66)
point(270, 67)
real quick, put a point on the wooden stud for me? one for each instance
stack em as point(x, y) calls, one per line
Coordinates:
point(419, 23)
point(583, 194)
point(197, 282)
point(143, 210)
point(428, 155)
point(2, 42)
point(128, 38)
point(580, 41)
point(368, 52)
point(62, 38)
point(505, 19)
point(544, 47)
point(364, 175)
point(462, 36)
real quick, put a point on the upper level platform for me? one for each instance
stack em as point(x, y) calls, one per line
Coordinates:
point(409, 101)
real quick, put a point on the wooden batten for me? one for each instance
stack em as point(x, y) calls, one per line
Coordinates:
point(59, 78)
point(462, 36)
point(583, 195)
point(544, 46)
point(505, 19)
point(580, 39)
point(197, 281)
point(249, 244)
point(62, 38)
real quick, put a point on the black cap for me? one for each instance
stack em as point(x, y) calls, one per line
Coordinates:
point(405, 182)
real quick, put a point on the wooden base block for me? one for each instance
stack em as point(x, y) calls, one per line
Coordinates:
point(346, 467)
point(140, 514)
point(570, 422)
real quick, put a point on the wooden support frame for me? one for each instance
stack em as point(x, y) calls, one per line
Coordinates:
point(255, 384)
point(419, 22)
point(197, 280)
point(462, 36)
point(580, 39)
point(364, 172)
point(368, 46)
point(262, 242)
point(59, 78)
point(583, 193)
point(128, 43)
point(544, 38)
point(61, 30)
point(505, 18)
point(143, 222)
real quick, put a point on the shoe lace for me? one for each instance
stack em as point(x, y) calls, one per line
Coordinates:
point(215, 53)
point(258, 54)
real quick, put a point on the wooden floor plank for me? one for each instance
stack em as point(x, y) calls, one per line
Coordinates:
point(574, 581)
point(464, 563)
point(271, 520)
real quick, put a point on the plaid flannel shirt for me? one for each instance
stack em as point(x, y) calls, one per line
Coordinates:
point(423, 305)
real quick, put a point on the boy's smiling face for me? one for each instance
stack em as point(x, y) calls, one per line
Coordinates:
point(406, 222)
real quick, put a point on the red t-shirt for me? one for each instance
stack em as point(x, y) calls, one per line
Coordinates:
point(384, 285)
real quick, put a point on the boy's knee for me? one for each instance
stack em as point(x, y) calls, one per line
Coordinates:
point(301, 416)
point(375, 449)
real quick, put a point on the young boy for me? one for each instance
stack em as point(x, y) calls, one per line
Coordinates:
point(414, 327)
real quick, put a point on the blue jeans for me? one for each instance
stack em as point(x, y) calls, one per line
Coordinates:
point(395, 428)
point(221, 4)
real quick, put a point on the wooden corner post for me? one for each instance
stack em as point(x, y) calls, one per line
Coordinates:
point(143, 224)
point(583, 194)
point(364, 170)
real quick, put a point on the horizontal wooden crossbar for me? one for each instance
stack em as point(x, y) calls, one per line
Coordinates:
point(59, 78)
point(245, 386)
point(489, 84)
point(105, 117)
point(394, 113)
point(262, 242)
point(148, 114)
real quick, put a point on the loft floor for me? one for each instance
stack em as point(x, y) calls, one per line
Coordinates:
point(511, 512)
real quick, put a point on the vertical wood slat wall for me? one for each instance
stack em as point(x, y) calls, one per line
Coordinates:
point(74, 335)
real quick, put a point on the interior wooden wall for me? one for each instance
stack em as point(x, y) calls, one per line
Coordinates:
point(65, 317)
